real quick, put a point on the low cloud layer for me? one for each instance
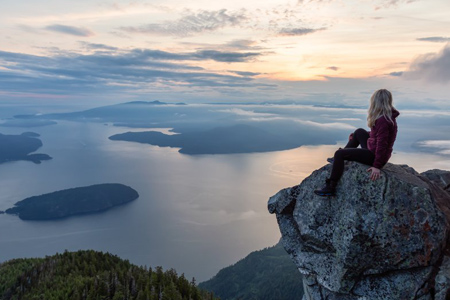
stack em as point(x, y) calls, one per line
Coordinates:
point(70, 30)
point(192, 23)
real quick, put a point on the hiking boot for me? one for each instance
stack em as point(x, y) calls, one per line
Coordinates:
point(328, 190)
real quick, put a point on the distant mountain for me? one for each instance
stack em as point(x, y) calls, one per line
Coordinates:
point(211, 129)
point(267, 274)
point(92, 275)
point(19, 147)
point(220, 140)
point(74, 201)
point(134, 111)
point(156, 102)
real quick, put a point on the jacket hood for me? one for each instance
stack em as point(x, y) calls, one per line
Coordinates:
point(395, 113)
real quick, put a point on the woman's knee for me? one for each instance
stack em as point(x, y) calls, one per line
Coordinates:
point(359, 131)
point(339, 153)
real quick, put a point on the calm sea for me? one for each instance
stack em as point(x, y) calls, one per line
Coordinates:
point(196, 214)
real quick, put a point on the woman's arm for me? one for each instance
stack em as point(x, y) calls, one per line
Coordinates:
point(382, 138)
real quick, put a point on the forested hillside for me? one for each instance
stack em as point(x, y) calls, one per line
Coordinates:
point(92, 275)
point(267, 274)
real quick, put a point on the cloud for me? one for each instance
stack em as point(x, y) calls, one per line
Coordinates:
point(334, 125)
point(392, 3)
point(192, 23)
point(297, 31)
point(347, 119)
point(440, 146)
point(225, 56)
point(231, 46)
point(431, 67)
point(242, 45)
point(243, 112)
point(298, 117)
point(221, 56)
point(243, 73)
point(93, 46)
point(71, 30)
point(114, 70)
point(435, 39)
point(334, 68)
point(396, 74)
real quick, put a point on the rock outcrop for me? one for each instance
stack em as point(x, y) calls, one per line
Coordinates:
point(439, 177)
point(383, 239)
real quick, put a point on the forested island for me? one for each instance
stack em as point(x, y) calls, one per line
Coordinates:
point(92, 275)
point(19, 147)
point(74, 201)
point(238, 138)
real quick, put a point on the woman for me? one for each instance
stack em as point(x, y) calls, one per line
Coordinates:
point(376, 145)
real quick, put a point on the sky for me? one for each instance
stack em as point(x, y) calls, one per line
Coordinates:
point(328, 52)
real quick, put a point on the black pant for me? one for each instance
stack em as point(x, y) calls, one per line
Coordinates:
point(353, 153)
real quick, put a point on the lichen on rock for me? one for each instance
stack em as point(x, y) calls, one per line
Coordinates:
point(383, 239)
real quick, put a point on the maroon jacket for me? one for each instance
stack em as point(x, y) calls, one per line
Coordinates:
point(382, 138)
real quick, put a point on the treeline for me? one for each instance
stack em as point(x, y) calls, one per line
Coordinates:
point(267, 274)
point(87, 275)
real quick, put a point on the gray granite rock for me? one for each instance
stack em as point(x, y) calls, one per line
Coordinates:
point(440, 177)
point(383, 239)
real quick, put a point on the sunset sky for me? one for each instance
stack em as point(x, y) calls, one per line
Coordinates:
point(316, 51)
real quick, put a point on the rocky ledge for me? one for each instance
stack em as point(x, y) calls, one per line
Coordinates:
point(384, 239)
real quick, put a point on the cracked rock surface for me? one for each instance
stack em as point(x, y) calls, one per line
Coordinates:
point(383, 239)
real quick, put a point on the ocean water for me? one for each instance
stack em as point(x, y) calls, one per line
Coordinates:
point(196, 214)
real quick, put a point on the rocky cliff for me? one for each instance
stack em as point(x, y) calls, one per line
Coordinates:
point(384, 239)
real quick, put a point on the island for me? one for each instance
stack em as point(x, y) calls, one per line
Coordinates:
point(19, 147)
point(238, 138)
point(74, 201)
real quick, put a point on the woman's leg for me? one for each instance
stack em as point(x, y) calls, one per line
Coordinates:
point(360, 137)
point(364, 156)
point(350, 152)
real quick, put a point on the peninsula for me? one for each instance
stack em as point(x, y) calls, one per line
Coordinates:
point(74, 201)
point(19, 147)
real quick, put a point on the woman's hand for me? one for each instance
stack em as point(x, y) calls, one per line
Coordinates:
point(376, 173)
point(350, 137)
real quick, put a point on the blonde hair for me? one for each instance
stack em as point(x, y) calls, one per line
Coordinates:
point(380, 106)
